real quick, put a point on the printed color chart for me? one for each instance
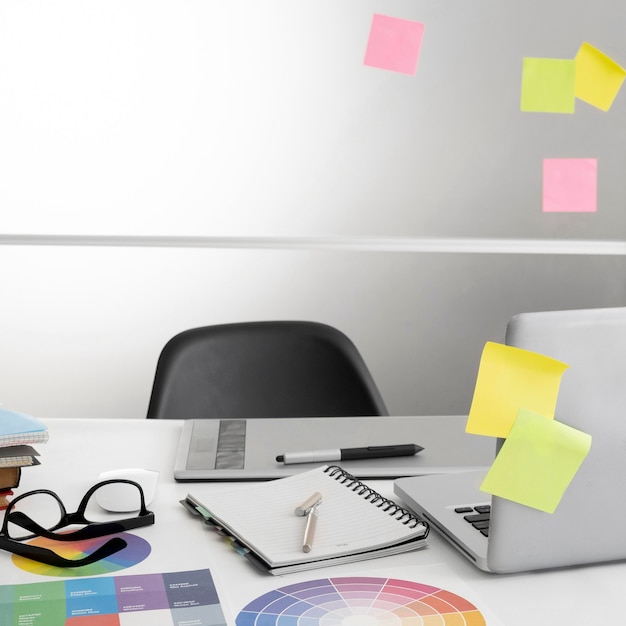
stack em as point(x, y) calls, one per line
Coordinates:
point(155, 599)
point(360, 601)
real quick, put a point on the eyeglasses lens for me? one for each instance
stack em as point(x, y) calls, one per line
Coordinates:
point(43, 508)
point(113, 501)
point(108, 503)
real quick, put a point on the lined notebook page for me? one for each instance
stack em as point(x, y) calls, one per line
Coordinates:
point(262, 516)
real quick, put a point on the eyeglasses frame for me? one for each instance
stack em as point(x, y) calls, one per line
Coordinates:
point(90, 530)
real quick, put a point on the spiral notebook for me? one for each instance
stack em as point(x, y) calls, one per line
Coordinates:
point(354, 522)
point(19, 428)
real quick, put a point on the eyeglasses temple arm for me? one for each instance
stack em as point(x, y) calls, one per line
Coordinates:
point(44, 555)
point(90, 531)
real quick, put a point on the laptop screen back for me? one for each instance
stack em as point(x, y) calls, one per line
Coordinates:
point(587, 525)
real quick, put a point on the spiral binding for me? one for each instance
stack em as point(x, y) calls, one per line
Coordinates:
point(403, 515)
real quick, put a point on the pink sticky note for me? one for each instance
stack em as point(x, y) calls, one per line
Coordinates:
point(394, 44)
point(570, 185)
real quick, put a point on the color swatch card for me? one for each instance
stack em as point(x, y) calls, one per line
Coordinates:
point(156, 599)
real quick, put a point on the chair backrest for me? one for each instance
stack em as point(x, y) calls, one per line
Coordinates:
point(263, 369)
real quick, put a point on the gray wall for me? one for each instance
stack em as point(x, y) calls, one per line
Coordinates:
point(168, 164)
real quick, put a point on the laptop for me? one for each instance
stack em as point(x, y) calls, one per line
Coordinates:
point(588, 524)
point(246, 449)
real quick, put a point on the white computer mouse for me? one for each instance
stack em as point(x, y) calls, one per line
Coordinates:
point(117, 500)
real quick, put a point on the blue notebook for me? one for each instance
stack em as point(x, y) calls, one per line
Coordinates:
point(18, 428)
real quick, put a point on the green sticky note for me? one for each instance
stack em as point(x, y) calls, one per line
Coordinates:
point(548, 85)
point(537, 462)
point(510, 379)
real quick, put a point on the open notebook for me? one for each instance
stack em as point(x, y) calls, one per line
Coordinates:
point(354, 522)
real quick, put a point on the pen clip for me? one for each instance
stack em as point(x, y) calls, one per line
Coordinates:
point(311, 502)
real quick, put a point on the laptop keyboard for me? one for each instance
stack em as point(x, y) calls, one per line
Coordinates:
point(477, 516)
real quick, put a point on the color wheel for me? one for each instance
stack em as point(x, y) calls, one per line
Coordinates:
point(136, 550)
point(360, 601)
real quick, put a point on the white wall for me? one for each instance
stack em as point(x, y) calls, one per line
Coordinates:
point(81, 327)
point(217, 147)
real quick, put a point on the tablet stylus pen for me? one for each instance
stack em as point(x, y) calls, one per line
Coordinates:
point(348, 454)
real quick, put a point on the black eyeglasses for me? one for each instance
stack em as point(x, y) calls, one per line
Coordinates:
point(41, 513)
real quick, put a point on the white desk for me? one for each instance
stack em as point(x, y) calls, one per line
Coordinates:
point(78, 450)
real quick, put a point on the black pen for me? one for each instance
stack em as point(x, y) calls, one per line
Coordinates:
point(349, 454)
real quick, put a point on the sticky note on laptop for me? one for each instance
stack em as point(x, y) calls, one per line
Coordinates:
point(537, 462)
point(509, 379)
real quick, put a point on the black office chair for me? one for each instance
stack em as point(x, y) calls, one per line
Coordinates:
point(262, 369)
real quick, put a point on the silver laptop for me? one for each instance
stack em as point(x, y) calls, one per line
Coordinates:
point(588, 524)
point(246, 449)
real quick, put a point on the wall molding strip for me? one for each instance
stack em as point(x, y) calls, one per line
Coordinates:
point(365, 244)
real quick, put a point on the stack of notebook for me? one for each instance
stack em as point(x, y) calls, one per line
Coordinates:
point(18, 433)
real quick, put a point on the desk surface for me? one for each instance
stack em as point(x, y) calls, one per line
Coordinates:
point(78, 450)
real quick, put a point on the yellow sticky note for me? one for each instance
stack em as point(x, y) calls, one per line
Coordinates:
point(510, 379)
point(548, 85)
point(537, 462)
point(598, 77)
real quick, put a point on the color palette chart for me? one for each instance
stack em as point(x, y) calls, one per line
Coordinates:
point(360, 601)
point(156, 599)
